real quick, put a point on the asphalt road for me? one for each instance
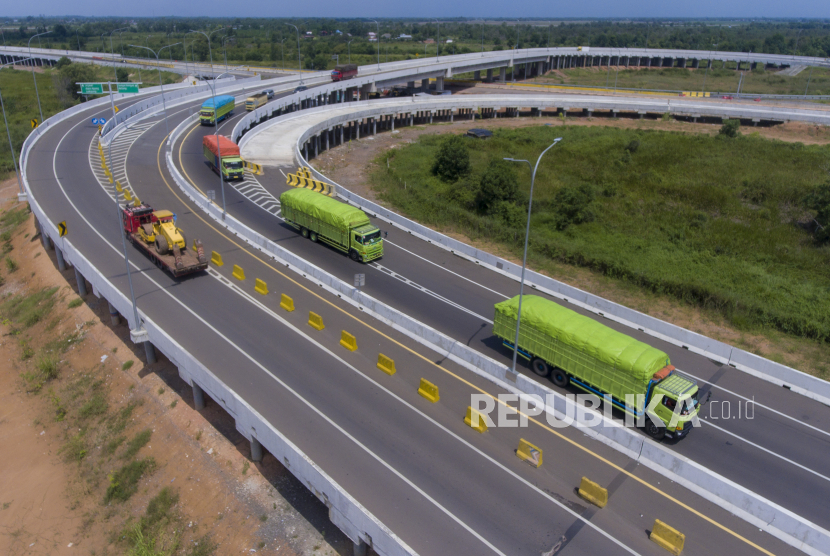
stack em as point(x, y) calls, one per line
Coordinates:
point(785, 436)
point(439, 485)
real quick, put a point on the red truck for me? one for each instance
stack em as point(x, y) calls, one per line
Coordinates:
point(346, 71)
point(232, 167)
point(155, 233)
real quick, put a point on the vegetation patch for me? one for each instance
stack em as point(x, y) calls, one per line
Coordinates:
point(28, 310)
point(730, 223)
point(124, 482)
point(138, 442)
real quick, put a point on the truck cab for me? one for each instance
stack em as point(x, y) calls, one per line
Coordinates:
point(366, 243)
point(678, 403)
point(232, 168)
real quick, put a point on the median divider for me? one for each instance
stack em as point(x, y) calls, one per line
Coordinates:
point(475, 420)
point(315, 321)
point(238, 273)
point(529, 453)
point(386, 364)
point(286, 303)
point(260, 287)
point(348, 341)
point(428, 390)
point(593, 493)
point(216, 259)
point(667, 537)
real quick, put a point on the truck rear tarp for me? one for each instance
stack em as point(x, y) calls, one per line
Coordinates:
point(227, 147)
point(624, 353)
point(324, 208)
point(221, 101)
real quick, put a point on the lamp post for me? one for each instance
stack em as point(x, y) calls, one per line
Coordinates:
point(225, 51)
point(438, 42)
point(210, 50)
point(33, 72)
point(527, 236)
point(8, 133)
point(161, 86)
point(378, 39)
point(299, 67)
point(349, 47)
point(482, 38)
point(114, 69)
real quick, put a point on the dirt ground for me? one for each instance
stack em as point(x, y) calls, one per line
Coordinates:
point(52, 495)
point(351, 164)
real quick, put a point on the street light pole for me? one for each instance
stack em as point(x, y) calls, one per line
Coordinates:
point(161, 86)
point(527, 236)
point(349, 47)
point(378, 39)
point(114, 68)
point(438, 42)
point(216, 134)
point(8, 133)
point(210, 50)
point(33, 72)
point(299, 66)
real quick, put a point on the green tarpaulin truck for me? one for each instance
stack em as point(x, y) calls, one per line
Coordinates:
point(208, 115)
point(572, 348)
point(321, 218)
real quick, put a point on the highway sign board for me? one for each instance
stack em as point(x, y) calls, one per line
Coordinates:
point(116, 109)
point(92, 88)
point(94, 121)
point(102, 121)
point(62, 230)
point(128, 87)
point(34, 123)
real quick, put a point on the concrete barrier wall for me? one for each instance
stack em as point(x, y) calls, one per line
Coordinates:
point(344, 511)
point(759, 511)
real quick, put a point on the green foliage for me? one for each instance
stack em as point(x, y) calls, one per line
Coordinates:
point(71, 74)
point(77, 302)
point(572, 205)
point(48, 365)
point(159, 509)
point(730, 128)
point(30, 309)
point(94, 407)
point(63, 62)
point(124, 482)
point(204, 546)
point(714, 223)
point(123, 74)
point(498, 185)
point(127, 365)
point(11, 264)
point(819, 201)
point(452, 159)
point(138, 442)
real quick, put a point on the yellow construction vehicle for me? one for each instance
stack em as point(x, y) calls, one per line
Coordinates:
point(146, 227)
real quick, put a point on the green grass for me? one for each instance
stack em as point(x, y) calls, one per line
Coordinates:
point(95, 406)
point(28, 310)
point(707, 220)
point(138, 442)
point(77, 302)
point(680, 79)
point(11, 264)
point(127, 365)
point(124, 482)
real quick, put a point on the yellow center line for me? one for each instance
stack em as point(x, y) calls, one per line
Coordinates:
point(447, 371)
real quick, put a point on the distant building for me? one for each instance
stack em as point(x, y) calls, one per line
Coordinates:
point(449, 41)
point(386, 36)
point(339, 32)
point(429, 41)
point(309, 33)
point(404, 37)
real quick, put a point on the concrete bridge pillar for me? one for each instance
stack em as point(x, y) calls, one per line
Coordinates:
point(360, 548)
point(502, 74)
point(341, 134)
point(425, 84)
point(439, 83)
point(432, 113)
point(489, 75)
point(695, 63)
point(477, 75)
point(374, 126)
point(681, 62)
point(115, 318)
point(328, 132)
point(198, 397)
point(540, 68)
point(79, 278)
point(61, 261)
point(256, 450)
point(149, 352)
point(357, 128)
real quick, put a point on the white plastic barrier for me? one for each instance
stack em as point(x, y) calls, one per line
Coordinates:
point(747, 505)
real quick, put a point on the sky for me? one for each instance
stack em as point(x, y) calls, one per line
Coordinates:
point(554, 9)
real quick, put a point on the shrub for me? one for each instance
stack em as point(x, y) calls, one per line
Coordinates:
point(819, 201)
point(498, 184)
point(124, 482)
point(572, 205)
point(730, 128)
point(77, 302)
point(452, 159)
point(62, 62)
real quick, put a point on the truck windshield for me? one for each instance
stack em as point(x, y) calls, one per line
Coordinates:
point(206, 114)
point(233, 165)
point(370, 239)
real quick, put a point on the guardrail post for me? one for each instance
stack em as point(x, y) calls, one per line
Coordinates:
point(61, 261)
point(256, 450)
point(198, 397)
point(81, 282)
point(150, 352)
point(115, 318)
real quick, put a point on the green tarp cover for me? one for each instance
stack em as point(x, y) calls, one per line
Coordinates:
point(615, 348)
point(324, 208)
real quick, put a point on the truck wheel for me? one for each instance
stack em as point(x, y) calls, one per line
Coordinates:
point(354, 256)
point(304, 232)
point(559, 378)
point(161, 245)
point(313, 237)
point(540, 367)
point(657, 433)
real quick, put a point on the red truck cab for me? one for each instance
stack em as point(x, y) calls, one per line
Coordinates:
point(346, 71)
